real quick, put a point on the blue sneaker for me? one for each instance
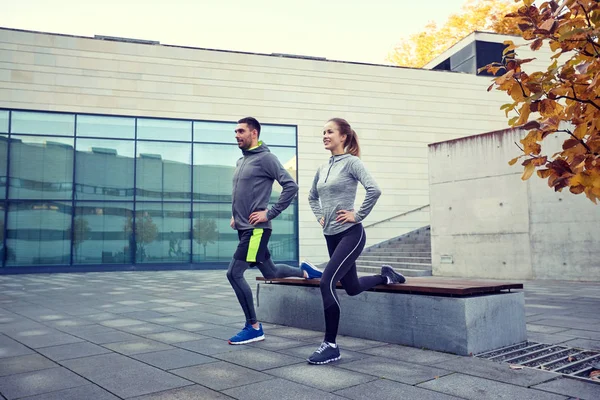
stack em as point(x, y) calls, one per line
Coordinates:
point(248, 335)
point(312, 271)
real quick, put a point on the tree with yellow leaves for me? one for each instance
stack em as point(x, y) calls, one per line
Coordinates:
point(475, 15)
point(563, 99)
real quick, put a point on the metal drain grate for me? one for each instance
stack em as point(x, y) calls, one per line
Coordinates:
point(570, 361)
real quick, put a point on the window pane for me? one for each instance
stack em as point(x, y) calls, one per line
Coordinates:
point(101, 234)
point(163, 171)
point(287, 158)
point(3, 164)
point(162, 232)
point(213, 171)
point(208, 245)
point(38, 233)
point(283, 244)
point(4, 121)
point(162, 129)
point(278, 135)
point(41, 123)
point(41, 168)
point(106, 127)
point(217, 132)
point(104, 169)
point(2, 249)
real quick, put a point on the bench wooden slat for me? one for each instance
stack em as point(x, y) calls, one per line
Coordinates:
point(425, 285)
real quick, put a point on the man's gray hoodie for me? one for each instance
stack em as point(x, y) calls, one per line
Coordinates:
point(252, 185)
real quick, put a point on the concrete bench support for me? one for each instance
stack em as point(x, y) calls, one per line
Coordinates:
point(459, 325)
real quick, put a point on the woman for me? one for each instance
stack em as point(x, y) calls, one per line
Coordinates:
point(332, 200)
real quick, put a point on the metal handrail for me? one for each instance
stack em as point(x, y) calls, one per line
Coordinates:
point(396, 216)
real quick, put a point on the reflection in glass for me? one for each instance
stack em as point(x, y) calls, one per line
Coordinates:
point(38, 233)
point(284, 241)
point(211, 220)
point(3, 165)
point(163, 171)
point(100, 233)
point(278, 135)
point(164, 129)
point(162, 232)
point(287, 158)
point(3, 121)
point(106, 127)
point(41, 123)
point(41, 168)
point(214, 165)
point(104, 169)
point(215, 132)
point(2, 248)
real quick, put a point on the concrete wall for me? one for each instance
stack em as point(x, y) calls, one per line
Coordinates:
point(493, 225)
point(396, 111)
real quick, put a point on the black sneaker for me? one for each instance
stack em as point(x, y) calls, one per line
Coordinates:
point(325, 354)
point(391, 275)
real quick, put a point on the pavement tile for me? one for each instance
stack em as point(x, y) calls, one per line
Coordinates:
point(137, 346)
point(278, 389)
point(39, 338)
point(399, 371)
point(11, 348)
point(194, 392)
point(121, 322)
point(172, 359)
point(209, 346)
point(87, 392)
point(221, 375)
point(38, 382)
point(328, 377)
point(572, 387)
point(73, 350)
point(28, 363)
point(587, 344)
point(258, 359)
point(409, 354)
point(124, 376)
point(277, 343)
point(383, 389)
point(475, 388)
point(174, 336)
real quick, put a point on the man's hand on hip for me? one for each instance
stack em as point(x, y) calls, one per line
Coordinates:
point(257, 217)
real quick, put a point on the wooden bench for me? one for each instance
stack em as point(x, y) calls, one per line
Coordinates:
point(460, 316)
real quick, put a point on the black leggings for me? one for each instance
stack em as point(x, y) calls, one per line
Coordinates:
point(344, 248)
point(235, 275)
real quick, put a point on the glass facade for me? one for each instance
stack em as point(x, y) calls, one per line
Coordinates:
point(79, 190)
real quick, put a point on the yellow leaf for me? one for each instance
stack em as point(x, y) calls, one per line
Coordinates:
point(529, 169)
point(514, 160)
point(580, 131)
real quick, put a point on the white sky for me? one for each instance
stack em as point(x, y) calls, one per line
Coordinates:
point(350, 30)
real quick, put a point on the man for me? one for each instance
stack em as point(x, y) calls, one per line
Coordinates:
point(252, 185)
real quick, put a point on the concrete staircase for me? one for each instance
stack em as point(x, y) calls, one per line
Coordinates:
point(409, 254)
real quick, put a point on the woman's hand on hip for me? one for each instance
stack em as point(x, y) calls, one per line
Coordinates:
point(344, 216)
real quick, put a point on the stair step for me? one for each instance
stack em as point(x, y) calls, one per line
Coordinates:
point(403, 271)
point(396, 254)
point(386, 251)
point(395, 264)
point(378, 257)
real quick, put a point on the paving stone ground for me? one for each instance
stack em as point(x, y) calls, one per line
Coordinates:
point(162, 335)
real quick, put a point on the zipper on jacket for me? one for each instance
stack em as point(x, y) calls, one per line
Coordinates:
point(329, 170)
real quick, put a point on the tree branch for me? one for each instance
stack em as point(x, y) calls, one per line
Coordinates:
point(575, 137)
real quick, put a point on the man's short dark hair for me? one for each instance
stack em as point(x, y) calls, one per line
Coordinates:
point(252, 123)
